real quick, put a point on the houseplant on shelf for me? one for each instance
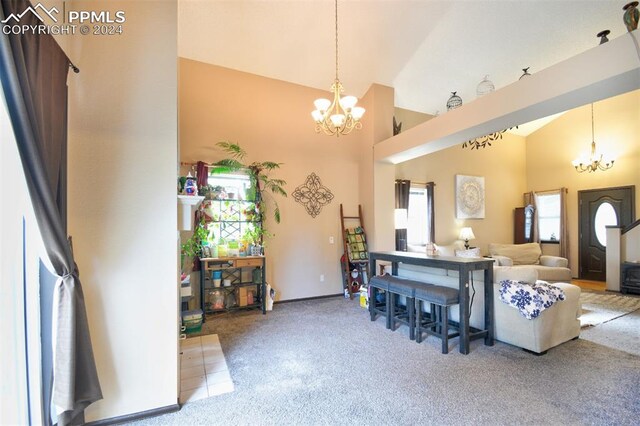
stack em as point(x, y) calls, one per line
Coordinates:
point(192, 248)
point(262, 185)
point(211, 192)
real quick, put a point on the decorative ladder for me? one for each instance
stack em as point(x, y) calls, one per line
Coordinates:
point(356, 253)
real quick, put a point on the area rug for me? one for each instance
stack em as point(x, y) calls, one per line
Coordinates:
point(598, 308)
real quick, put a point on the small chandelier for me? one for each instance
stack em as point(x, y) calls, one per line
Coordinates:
point(342, 115)
point(596, 161)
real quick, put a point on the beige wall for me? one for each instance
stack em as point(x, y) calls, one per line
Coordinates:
point(271, 120)
point(376, 178)
point(551, 149)
point(540, 162)
point(410, 118)
point(122, 202)
point(503, 167)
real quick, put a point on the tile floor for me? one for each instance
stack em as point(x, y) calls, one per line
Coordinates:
point(203, 369)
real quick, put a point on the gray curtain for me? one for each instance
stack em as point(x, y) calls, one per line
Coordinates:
point(33, 71)
point(431, 226)
point(403, 188)
point(530, 199)
point(564, 224)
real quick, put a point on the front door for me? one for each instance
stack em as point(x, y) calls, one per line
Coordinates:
point(599, 208)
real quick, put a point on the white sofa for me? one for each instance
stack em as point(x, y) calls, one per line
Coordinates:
point(550, 268)
point(554, 326)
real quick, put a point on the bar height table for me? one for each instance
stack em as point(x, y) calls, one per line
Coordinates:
point(464, 266)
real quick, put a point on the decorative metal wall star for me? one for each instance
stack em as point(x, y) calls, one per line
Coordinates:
point(312, 195)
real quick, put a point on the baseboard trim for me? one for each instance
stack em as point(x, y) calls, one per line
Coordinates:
point(309, 298)
point(136, 416)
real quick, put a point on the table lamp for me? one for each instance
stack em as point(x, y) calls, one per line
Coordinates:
point(466, 234)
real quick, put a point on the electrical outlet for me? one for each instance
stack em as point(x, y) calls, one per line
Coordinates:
point(322, 278)
point(331, 240)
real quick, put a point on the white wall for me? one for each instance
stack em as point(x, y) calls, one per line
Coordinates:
point(122, 202)
point(630, 245)
point(377, 178)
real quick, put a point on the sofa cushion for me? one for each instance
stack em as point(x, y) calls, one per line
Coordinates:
point(520, 254)
point(552, 274)
point(450, 250)
point(416, 248)
point(502, 260)
point(515, 273)
point(554, 261)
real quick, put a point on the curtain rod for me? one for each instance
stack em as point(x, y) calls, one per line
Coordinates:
point(210, 166)
point(417, 183)
point(423, 183)
point(566, 190)
point(184, 163)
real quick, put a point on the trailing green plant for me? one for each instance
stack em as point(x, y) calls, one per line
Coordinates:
point(193, 246)
point(261, 183)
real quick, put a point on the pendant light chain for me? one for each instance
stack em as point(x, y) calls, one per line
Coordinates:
point(340, 116)
point(336, 40)
point(593, 138)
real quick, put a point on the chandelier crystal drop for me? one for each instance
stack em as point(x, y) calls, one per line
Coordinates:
point(596, 161)
point(341, 116)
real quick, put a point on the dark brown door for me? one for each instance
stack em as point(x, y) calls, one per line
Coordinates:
point(598, 208)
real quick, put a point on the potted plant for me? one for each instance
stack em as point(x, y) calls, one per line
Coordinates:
point(192, 248)
point(262, 186)
point(251, 213)
point(211, 192)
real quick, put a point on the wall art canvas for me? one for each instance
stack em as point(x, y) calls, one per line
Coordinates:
point(469, 197)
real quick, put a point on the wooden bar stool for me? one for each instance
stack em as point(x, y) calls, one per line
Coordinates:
point(399, 314)
point(437, 324)
point(377, 284)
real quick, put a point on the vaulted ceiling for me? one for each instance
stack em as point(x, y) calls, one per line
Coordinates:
point(423, 49)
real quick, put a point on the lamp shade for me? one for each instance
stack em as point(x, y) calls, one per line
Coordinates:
point(337, 119)
point(357, 113)
point(401, 218)
point(467, 234)
point(322, 104)
point(317, 115)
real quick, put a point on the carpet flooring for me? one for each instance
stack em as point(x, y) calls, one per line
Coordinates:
point(322, 362)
